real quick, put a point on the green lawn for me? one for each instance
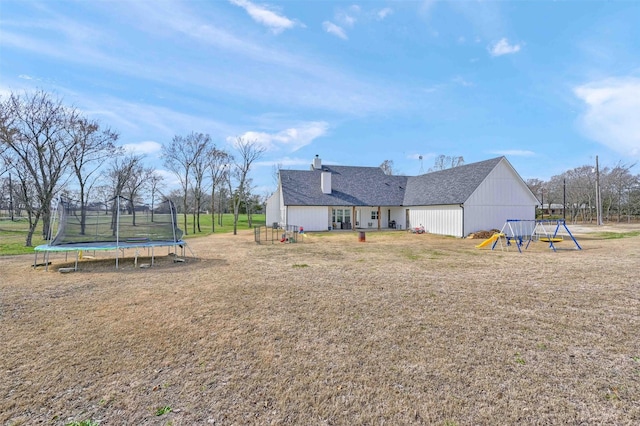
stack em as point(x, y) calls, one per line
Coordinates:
point(13, 234)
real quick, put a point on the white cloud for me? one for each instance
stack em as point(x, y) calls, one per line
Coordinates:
point(426, 6)
point(348, 17)
point(383, 13)
point(515, 152)
point(332, 28)
point(146, 147)
point(170, 180)
point(611, 117)
point(331, 88)
point(290, 139)
point(503, 47)
point(285, 162)
point(461, 81)
point(263, 15)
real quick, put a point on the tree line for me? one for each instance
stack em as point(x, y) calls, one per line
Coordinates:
point(49, 149)
point(575, 193)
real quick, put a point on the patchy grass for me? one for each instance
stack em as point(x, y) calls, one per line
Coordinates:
point(616, 235)
point(13, 234)
point(238, 336)
point(83, 423)
point(163, 410)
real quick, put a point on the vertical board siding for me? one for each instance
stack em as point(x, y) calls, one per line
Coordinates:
point(312, 218)
point(501, 196)
point(273, 210)
point(443, 220)
point(485, 218)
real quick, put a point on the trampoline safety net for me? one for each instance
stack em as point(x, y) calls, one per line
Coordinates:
point(117, 220)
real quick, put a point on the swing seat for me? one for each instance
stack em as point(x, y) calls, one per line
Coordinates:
point(551, 240)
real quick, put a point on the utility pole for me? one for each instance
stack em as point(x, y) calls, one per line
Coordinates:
point(598, 196)
point(564, 198)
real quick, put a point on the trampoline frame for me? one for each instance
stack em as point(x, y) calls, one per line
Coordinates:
point(103, 246)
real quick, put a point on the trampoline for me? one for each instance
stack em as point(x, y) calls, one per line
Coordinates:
point(116, 225)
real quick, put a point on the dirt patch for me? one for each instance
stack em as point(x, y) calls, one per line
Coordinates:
point(400, 329)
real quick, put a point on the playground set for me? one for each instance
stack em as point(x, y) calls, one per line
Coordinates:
point(521, 232)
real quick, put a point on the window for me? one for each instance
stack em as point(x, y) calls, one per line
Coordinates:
point(341, 215)
point(374, 215)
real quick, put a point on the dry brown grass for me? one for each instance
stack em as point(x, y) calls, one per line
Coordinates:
point(402, 329)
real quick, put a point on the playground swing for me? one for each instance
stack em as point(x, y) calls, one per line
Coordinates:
point(518, 232)
point(553, 231)
point(542, 234)
point(515, 232)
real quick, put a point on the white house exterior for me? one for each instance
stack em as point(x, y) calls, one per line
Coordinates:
point(457, 201)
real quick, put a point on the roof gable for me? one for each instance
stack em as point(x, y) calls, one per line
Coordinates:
point(350, 186)
point(450, 186)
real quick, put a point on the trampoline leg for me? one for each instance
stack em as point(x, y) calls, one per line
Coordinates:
point(151, 256)
point(77, 255)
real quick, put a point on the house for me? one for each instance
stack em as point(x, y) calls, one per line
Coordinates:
point(456, 201)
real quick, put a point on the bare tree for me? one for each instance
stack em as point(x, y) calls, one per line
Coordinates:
point(616, 183)
point(8, 190)
point(33, 132)
point(121, 171)
point(25, 194)
point(103, 194)
point(91, 147)
point(538, 188)
point(200, 167)
point(179, 157)
point(248, 201)
point(134, 186)
point(443, 162)
point(156, 184)
point(387, 167)
point(581, 184)
point(218, 168)
point(248, 152)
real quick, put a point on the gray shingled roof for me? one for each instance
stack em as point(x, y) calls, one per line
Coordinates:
point(369, 186)
point(450, 186)
point(350, 186)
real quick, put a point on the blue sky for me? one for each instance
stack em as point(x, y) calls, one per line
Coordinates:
point(550, 85)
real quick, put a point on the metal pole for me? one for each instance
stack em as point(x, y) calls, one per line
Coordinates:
point(117, 230)
point(564, 199)
point(598, 200)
